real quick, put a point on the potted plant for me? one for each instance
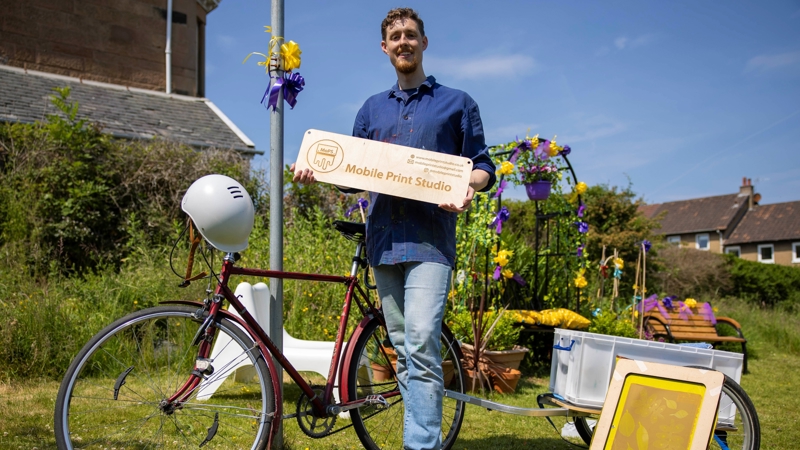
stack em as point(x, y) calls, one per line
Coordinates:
point(489, 344)
point(536, 164)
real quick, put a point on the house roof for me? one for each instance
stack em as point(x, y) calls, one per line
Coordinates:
point(124, 112)
point(768, 223)
point(696, 215)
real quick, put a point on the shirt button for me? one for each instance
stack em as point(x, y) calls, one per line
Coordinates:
point(405, 117)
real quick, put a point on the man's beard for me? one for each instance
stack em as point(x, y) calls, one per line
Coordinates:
point(403, 65)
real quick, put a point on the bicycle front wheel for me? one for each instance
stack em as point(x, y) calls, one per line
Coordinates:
point(370, 374)
point(114, 392)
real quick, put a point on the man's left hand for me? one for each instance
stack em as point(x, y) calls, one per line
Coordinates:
point(451, 207)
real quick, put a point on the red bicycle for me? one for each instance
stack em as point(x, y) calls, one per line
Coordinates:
point(140, 382)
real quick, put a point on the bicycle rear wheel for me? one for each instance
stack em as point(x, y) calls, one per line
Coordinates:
point(382, 429)
point(737, 426)
point(113, 394)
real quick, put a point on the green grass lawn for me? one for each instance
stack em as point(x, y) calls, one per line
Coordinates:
point(26, 414)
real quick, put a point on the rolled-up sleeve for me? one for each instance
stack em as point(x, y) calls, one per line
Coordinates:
point(474, 145)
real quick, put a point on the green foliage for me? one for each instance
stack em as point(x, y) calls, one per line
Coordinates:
point(504, 335)
point(764, 284)
point(613, 324)
point(73, 199)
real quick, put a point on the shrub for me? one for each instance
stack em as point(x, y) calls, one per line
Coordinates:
point(504, 335)
point(609, 322)
point(764, 284)
point(687, 272)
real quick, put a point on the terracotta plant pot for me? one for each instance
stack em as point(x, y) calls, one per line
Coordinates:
point(538, 190)
point(448, 371)
point(506, 358)
point(380, 373)
point(505, 382)
point(472, 383)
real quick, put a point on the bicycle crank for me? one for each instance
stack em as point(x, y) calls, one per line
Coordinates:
point(313, 426)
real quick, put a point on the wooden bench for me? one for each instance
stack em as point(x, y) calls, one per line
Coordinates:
point(695, 328)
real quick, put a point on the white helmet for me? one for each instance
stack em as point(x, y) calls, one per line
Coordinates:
point(222, 210)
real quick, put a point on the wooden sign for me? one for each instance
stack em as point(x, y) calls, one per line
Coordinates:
point(384, 168)
point(651, 405)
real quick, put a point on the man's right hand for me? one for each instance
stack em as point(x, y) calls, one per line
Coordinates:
point(305, 176)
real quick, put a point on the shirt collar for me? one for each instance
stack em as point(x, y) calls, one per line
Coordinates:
point(429, 82)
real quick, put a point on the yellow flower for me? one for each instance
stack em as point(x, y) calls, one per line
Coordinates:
point(290, 53)
point(507, 273)
point(691, 303)
point(580, 282)
point(619, 263)
point(581, 187)
point(503, 257)
point(554, 148)
point(506, 168)
point(535, 141)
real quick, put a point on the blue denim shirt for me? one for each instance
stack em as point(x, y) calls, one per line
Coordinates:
point(433, 118)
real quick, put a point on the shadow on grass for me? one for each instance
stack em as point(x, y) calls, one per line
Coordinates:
point(511, 442)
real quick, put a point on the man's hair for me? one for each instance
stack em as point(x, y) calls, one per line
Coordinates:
point(398, 14)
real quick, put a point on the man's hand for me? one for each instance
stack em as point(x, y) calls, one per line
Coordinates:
point(465, 206)
point(305, 176)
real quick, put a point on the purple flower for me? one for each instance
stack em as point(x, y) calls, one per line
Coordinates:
point(580, 251)
point(581, 209)
point(521, 147)
point(501, 217)
point(361, 203)
point(565, 151)
point(500, 189)
point(646, 245)
point(518, 278)
point(496, 274)
point(583, 227)
point(668, 301)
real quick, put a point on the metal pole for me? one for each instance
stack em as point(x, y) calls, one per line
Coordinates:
point(168, 49)
point(276, 218)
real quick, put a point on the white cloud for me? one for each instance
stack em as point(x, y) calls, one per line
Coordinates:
point(765, 63)
point(477, 67)
point(620, 42)
point(624, 42)
point(225, 41)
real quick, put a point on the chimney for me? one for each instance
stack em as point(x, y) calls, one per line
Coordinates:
point(746, 190)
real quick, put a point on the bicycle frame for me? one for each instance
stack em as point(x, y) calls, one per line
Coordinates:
point(321, 406)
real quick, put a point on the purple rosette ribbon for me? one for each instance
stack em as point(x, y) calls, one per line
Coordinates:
point(684, 311)
point(581, 210)
point(500, 188)
point(565, 151)
point(646, 245)
point(648, 304)
point(290, 83)
point(708, 313)
point(518, 278)
point(521, 146)
point(668, 301)
point(580, 251)
point(583, 227)
point(497, 272)
point(662, 310)
point(501, 217)
point(362, 203)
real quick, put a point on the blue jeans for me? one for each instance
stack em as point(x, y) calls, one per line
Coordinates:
point(413, 296)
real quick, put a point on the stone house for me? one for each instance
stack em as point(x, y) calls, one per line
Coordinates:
point(130, 70)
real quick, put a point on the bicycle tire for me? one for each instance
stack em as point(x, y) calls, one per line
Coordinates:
point(382, 429)
point(146, 356)
point(744, 433)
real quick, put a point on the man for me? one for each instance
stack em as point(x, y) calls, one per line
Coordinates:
point(410, 244)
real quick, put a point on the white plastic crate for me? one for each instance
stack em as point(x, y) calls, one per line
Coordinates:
point(583, 363)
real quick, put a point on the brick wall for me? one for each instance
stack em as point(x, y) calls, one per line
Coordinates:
point(113, 41)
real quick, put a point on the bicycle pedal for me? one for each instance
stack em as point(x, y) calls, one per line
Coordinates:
point(377, 401)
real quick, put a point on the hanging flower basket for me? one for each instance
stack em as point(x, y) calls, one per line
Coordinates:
point(538, 190)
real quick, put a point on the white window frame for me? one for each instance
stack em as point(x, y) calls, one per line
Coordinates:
point(734, 248)
point(796, 252)
point(674, 240)
point(697, 238)
point(772, 250)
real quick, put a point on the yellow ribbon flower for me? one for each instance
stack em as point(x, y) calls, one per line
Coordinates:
point(502, 257)
point(507, 273)
point(534, 141)
point(290, 54)
point(580, 282)
point(619, 263)
point(581, 187)
point(506, 168)
point(554, 148)
point(691, 303)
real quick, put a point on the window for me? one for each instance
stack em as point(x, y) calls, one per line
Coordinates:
point(796, 252)
point(734, 251)
point(766, 253)
point(674, 240)
point(701, 241)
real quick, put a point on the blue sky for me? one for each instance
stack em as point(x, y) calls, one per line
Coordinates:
point(682, 98)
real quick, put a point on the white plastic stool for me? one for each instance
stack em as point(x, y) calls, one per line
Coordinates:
point(305, 356)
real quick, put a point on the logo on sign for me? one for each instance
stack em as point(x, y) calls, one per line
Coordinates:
point(325, 156)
